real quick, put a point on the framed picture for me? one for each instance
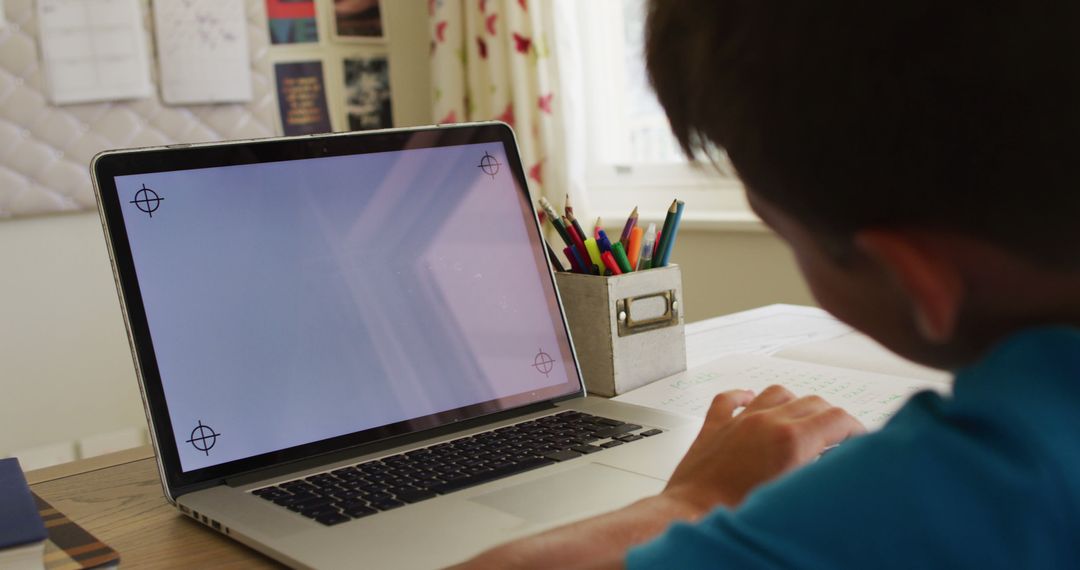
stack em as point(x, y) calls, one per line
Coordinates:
point(367, 93)
point(301, 93)
point(292, 21)
point(358, 20)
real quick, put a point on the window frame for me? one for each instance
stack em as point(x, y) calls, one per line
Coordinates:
point(715, 198)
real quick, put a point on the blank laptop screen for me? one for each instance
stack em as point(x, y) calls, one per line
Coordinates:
point(295, 301)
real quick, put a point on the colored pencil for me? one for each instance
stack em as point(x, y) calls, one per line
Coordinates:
point(554, 259)
point(594, 254)
point(665, 232)
point(671, 230)
point(645, 261)
point(631, 223)
point(603, 241)
point(596, 229)
point(620, 257)
point(609, 262)
point(555, 221)
point(579, 245)
point(573, 221)
point(572, 256)
point(635, 246)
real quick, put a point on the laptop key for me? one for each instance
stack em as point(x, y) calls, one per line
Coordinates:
point(350, 504)
point(292, 500)
point(651, 432)
point(628, 437)
point(616, 430)
point(414, 495)
point(387, 504)
point(520, 467)
point(320, 511)
point(331, 519)
point(562, 455)
point(309, 504)
point(357, 512)
point(610, 444)
point(586, 449)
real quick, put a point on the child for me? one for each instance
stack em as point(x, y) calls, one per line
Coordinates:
point(918, 157)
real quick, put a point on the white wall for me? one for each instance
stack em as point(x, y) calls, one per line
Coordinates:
point(729, 271)
point(65, 368)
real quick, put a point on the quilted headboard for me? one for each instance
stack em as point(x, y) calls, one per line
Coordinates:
point(45, 150)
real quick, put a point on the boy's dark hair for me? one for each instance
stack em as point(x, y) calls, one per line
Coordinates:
point(961, 115)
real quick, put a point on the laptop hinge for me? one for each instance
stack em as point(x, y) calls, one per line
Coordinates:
point(381, 445)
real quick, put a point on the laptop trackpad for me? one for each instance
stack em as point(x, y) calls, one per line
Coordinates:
point(572, 494)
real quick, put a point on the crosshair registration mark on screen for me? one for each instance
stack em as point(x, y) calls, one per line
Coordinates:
point(203, 438)
point(146, 200)
point(489, 165)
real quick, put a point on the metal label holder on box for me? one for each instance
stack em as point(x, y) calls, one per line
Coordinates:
point(627, 329)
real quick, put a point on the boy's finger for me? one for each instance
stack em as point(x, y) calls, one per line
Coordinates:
point(724, 404)
point(770, 398)
point(802, 407)
point(832, 426)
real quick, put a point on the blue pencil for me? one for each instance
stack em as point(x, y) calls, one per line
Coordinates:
point(603, 241)
point(669, 236)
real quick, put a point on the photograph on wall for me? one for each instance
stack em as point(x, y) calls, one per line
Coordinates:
point(301, 93)
point(367, 93)
point(292, 21)
point(358, 20)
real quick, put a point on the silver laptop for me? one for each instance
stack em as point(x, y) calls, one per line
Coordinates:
point(352, 352)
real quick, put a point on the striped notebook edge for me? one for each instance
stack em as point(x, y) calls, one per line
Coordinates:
point(70, 546)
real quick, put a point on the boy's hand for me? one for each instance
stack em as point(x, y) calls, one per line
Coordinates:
point(776, 433)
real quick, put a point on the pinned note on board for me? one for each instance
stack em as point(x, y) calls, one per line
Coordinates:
point(203, 51)
point(93, 50)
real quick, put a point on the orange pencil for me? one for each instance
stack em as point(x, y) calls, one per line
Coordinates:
point(635, 245)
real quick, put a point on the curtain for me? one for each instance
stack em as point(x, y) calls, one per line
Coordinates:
point(500, 59)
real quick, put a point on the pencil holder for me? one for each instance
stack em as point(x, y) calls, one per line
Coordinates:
point(627, 329)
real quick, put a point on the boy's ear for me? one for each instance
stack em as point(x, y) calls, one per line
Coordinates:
point(924, 271)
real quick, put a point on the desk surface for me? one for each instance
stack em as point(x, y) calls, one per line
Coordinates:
point(118, 499)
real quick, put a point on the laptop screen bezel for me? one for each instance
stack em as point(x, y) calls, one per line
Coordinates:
point(107, 166)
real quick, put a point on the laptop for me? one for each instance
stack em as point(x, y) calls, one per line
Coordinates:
point(352, 352)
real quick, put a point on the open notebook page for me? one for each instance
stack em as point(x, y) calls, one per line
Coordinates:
point(858, 351)
point(872, 398)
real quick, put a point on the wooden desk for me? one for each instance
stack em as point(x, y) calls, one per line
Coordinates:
point(118, 498)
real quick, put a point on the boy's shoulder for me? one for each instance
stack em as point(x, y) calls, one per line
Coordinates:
point(986, 476)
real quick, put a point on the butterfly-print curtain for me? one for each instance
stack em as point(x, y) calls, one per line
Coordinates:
point(494, 59)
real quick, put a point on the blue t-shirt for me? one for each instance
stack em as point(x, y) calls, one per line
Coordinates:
point(987, 478)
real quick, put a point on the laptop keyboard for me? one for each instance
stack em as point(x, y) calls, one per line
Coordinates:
point(367, 488)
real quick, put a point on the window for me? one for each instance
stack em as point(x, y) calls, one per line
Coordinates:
point(633, 159)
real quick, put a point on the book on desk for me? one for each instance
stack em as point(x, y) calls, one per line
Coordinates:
point(34, 535)
point(22, 534)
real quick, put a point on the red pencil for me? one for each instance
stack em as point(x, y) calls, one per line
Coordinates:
point(579, 243)
point(609, 262)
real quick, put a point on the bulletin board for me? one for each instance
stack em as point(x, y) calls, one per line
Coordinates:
point(45, 149)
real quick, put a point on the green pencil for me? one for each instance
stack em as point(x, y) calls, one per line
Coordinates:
point(620, 257)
